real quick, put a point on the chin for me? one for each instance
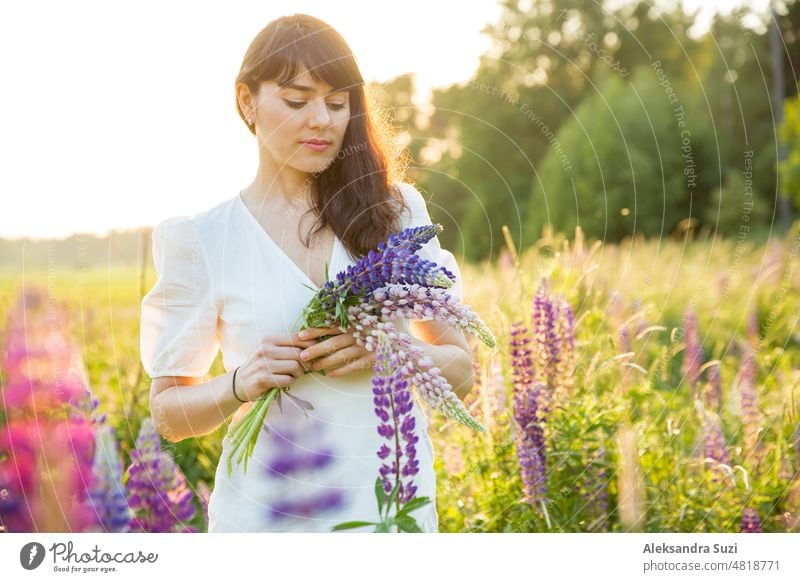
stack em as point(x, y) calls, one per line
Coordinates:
point(317, 166)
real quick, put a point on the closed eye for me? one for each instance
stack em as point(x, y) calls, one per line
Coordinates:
point(299, 104)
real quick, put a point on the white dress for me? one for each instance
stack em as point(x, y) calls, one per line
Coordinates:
point(223, 283)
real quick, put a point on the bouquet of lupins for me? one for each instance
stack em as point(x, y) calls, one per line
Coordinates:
point(388, 283)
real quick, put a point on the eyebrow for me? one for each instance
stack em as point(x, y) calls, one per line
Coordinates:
point(306, 89)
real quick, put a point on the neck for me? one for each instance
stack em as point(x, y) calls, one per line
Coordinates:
point(281, 185)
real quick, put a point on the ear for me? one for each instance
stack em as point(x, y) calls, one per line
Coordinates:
point(245, 98)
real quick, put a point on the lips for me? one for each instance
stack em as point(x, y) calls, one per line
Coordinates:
point(317, 141)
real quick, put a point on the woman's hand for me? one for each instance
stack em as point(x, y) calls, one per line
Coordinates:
point(275, 364)
point(339, 354)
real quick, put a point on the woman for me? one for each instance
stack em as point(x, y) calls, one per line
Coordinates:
point(236, 278)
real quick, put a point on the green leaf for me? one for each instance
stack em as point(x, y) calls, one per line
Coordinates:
point(392, 497)
point(379, 493)
point(414, 504)
point(352, 524)
point(407, 523)
point(382, 527)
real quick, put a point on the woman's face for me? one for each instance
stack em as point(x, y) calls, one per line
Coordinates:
point(286, 117)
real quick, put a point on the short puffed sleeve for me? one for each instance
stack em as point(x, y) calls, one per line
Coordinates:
point(417, 215)
point(178, 335)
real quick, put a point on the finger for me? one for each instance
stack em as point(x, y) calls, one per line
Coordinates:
point(343, 356)
point(358, 366)
point(295, 341)
point(327, 347)
point(314, 332)
point(281, 353)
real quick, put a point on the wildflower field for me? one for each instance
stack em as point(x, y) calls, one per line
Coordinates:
point(646, 386)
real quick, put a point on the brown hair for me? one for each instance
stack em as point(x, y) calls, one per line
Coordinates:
point(356, 195)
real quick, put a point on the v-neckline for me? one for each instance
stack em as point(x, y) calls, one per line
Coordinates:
point(286, 257)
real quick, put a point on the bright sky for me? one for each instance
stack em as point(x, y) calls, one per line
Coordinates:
point(117, 115)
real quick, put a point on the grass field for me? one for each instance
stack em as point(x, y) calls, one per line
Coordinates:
point(657, 423)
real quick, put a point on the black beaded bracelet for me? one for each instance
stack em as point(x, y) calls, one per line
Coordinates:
point(233, 385)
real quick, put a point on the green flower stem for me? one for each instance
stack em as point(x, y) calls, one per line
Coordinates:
point(245, 433)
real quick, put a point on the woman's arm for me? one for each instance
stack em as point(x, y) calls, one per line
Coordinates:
point(448, 348)
point(184, 407)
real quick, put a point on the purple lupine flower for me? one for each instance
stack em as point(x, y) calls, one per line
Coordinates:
point(713, 390)
point(291, 458)
point(107, 496)
point(158, 492)
point(750, 415)
point(528, 396)
point(751, 521)
point(394, 406)
point(307, 507)
point(522, 371)
point(545, 337)
point(393, 262)
point(693, 354)
point(300, 456)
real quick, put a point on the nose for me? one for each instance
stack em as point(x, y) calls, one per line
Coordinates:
point(319, 116)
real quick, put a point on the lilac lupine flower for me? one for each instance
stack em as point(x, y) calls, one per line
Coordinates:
point(497, 384)
point(750, 415)
point(564, 364)
point(528, 396)
point(624, 339)
point(693, 354)
point(204, 495)
point(713, 389)
point(416, 301)
point(158, 492)
point(108, 496)
point(476, 366)
point(420, 371)
point(715, 448)
point(714, 440)
point(753, 329)
point(393, 406)
point(751, 521)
